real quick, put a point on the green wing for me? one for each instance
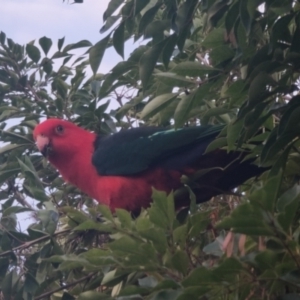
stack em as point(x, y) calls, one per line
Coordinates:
point(133, 151)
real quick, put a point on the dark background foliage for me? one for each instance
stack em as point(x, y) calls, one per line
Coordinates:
point(202, 62)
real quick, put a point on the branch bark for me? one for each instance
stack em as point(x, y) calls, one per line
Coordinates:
point(29, 244)
point(65, 286)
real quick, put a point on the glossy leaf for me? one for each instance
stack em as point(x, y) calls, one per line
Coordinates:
point(33, 52)
point(148, 61)
point(96, 53)
point(45, 44)
point(156, 104)
point(80, 44)
point(118, 39)
point(111, 8)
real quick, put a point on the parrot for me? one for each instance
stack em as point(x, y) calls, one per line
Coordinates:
point(120, 170)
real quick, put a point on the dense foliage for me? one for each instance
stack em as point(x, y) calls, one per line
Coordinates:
point(233, 62)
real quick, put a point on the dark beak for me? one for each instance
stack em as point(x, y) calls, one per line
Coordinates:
point(46, 151)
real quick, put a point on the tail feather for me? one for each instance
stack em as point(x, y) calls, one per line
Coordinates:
point(225, 171)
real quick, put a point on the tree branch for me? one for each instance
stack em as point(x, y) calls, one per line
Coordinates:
point(65, 286)
point(29, 244)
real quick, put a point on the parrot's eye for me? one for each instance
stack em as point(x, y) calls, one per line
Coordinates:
point(59, 129)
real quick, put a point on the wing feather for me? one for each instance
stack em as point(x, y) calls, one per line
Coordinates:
point(133, 151)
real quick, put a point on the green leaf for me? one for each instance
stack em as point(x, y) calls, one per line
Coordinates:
point(166, 295)
point(218, 143)
point(49, 219)
point(132, 290)
point(280, 30)
point(217, 111)
point(287, 205)
point(148, 62)
point(180, 235)
point(266, 259)
point(274, 145)
point(289, 122)
point(198, 222)
point(258, 87)
point(230, 267)
point(111, 8)
point(76, 216)
point(80, 44)
point(4, 175)
point(266, 196)
point(106, 212)
point(193, 292)
point(188, 102)
point(156, 29)
point(124, 217)
point(118, 39)
point(16, 136)
point(117, 72)
point(233, 131)
point(30, 284)
point(162, 211)
point(231, 17)
point(92, 295)
point(291, 276)
point(35, 192)
point(157, 104)
point(245, 16)
point(47, 65)
point(168, 49)
point(33, 52)
point(157, 237)
point(15, 210)
point(11, 147)
point(214, 39)
point(183, 21)
point(28, 169)
point(125, 244)
point(198, 275)
point(180, 261)
point(98, 257)
point(96, 53)
point(193, 69)
point(2, 37)
point(6, 242)
point(60, 43)
point(288, 197)
point(174, 80)
point(247, 219)
point(109, 23)
point(92, 225)
point(8, 284)
point(142, 223)
point(148, 17)
point(45, 44)
point(4, 264)
point(7, 114)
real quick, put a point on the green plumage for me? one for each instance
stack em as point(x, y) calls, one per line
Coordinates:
point(133, 151)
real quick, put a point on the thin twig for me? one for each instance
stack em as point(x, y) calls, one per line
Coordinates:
point(29, 244)
point(65, 286)
point(35, 95)
point(21, 199)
